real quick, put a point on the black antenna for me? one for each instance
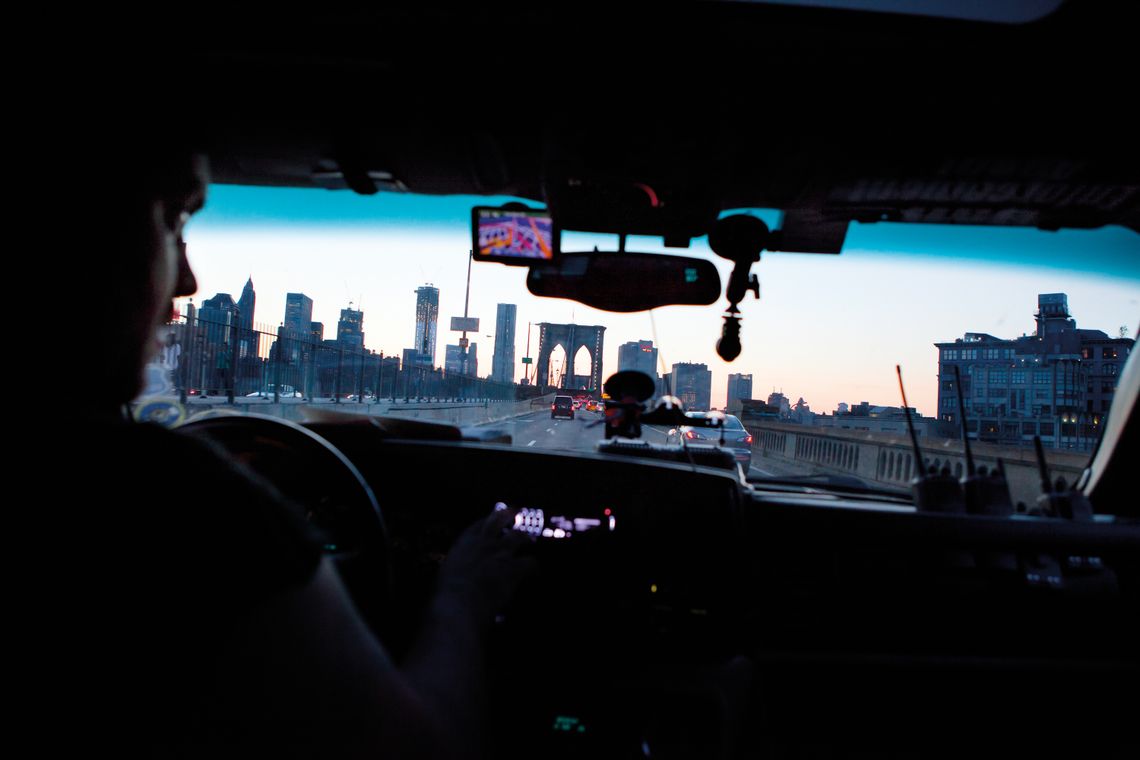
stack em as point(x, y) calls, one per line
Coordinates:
point(1044, 470)
point(910, 426)
point(962, 413)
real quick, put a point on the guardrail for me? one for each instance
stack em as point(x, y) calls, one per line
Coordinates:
point(888, 459)
point(461, 414)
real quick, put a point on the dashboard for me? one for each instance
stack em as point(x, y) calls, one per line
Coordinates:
point(680, 612)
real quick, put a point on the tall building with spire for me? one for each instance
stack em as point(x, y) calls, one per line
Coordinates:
point(503, 360)
point(246, 304)
point(427, 319)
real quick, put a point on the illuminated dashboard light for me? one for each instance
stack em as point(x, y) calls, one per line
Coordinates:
point(519, 520)
point(653, 588)
point(558, 533)
point(500, 506)
point(613, 523)
point(547, 533)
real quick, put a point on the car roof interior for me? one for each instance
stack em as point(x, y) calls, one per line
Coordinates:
point(829, 115)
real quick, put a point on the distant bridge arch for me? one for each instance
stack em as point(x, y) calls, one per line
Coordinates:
point(571, 338)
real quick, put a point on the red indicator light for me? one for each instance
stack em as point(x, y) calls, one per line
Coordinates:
point(607, 512)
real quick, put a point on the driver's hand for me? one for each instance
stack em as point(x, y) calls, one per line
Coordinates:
point(488, 563)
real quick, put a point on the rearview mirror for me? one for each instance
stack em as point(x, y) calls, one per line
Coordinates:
point(627, 282)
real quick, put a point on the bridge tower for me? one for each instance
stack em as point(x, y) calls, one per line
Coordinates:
point(572, 338)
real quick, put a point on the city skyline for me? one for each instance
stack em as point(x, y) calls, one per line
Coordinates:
point(220, 306)
point(822, 329)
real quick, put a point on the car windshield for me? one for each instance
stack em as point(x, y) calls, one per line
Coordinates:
point(371, 304)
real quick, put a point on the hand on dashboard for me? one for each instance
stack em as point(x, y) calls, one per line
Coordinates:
point(488, 563)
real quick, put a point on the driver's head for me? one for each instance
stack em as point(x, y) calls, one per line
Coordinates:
point(134, 263)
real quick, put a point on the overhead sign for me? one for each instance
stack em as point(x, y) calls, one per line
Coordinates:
point(468, 324)
point(527, 360)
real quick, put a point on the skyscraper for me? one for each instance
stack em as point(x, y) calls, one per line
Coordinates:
point(298, 313)
point(453, 360)
point(217, 322)
point(350, 328)
point(217, 316)
point(739, 387)
point(246, 305)
point(427, 318)
point(692, 383)
point(503, 360)
point(638, 355)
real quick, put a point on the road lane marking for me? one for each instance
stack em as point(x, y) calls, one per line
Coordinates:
point(532, 443)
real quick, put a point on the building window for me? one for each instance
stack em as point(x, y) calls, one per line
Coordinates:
point(1110, 369)
point(997, 376)
point(1041, 377)
point(1108, 352)
point(1047, 428)
point(1017, 377)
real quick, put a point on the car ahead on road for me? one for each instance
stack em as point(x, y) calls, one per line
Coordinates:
point(730, 435)
point(563, 406)
point(287, 391)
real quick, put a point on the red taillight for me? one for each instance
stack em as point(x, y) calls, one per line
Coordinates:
point(690, 434)
point(552, 406)
point(748, 439)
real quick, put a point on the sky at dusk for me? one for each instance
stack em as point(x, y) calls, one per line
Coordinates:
point(827, 328)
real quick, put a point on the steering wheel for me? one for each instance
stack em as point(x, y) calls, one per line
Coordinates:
point(337, 500)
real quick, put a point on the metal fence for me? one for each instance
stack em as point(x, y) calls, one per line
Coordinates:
point(210, 358)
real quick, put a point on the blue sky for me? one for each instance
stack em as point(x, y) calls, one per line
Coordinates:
point(828, 328)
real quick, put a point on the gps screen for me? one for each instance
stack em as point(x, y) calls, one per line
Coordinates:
point(514, 235)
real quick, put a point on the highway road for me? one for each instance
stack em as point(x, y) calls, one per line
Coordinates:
point(537, 430)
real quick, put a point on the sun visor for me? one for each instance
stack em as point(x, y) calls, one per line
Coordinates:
point(809, 231)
